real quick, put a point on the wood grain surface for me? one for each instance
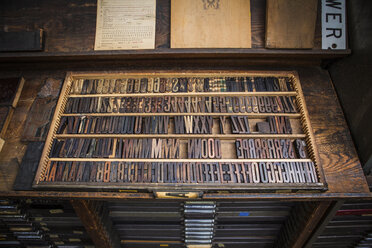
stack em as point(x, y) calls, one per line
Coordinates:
point(290, 24)
point(210, 24)
point(336, 149)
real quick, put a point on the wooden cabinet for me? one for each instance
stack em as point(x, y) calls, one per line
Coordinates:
point(108, 215)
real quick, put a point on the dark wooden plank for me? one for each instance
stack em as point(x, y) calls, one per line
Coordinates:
point(335, 206)
point(10, 90)
point(21, 41)
point(28, 167)
point(290, 24)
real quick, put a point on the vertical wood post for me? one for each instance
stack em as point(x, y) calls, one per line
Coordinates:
point(299, 226)
point(99, 229)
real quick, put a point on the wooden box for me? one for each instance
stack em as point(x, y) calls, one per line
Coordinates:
point(194, 131)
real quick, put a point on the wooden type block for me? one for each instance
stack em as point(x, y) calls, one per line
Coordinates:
point(272, 122)
point(284, 103)
point(271, 148)
point(66, 171)
point(69, 144)
point(197, 124)
point(188, 122)
point(120, 172)
point(160, 104)
point(264, 149)
point(75, 127)
point(208, 104)
point(254, 104)
point(82, 124)
point(60, 171)
point(84, 87)
point(56, 148)
point(291, 104)
point(80, 171)
point(78, 148)
point(130, 86)
point(86, 173)
point(263, 127)
point(261, 104)
point(163, 85)
point(300, 148)
point(235, 104)
point(272, 102)
point(93, 105)
point(194, 148)
point(239, 150)
point(119, 148)
point(73, 172)
point(156, 85)
point(90, 88)
point(88, 124)
point(123, 86)
point(68, 107)
point(290, 148)
point(269, 83)
point(100, 172)
point(222, 124)
point(62, 125)
point(93, 172)
point(106, 173)
point(188, 104)
point(268, 106)
point(234, 125)
point(137, 85)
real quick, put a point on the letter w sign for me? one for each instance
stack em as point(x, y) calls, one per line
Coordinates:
point(333, 24)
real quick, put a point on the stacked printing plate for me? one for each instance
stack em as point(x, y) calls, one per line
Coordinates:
point(41, 223)
point(199, 222)
point(350, 227)
point(147, 224)
point(249, 224)
point(226, 224)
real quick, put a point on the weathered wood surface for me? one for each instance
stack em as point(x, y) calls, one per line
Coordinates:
point(290, 24)
point(197, 24)
point(336, 149)
point(28, 166)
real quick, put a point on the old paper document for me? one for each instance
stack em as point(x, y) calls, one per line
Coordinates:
point(125, 24)
point(210, 24)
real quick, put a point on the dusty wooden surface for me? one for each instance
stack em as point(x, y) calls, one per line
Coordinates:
point(337, 153)
point(290, 24)
point(197, 24)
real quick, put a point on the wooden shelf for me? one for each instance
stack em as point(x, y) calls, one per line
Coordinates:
point(168, 53)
